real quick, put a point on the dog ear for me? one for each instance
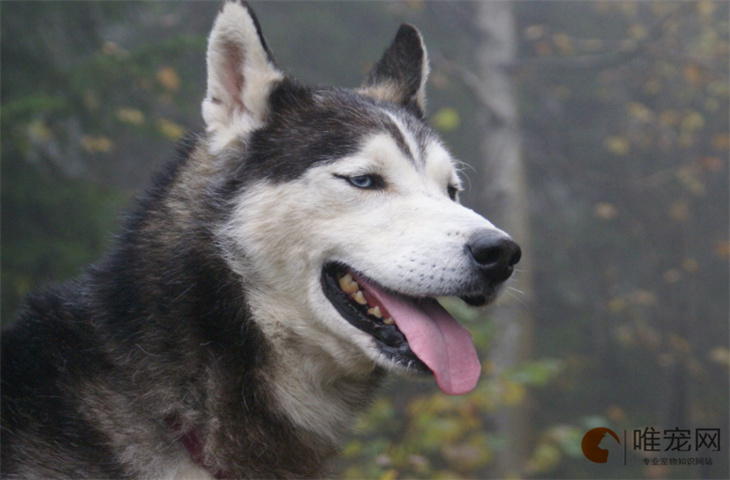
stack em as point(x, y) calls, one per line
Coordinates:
point(400, 75)
point(241, 74)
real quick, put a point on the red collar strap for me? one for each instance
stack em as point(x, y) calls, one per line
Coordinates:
point(191, 441)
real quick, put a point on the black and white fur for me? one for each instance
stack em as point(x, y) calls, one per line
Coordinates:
point(203, 344)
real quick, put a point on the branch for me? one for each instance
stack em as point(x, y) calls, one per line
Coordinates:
point(607, 59)
point(475, 83)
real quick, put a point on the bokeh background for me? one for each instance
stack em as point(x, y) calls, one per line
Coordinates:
point(595, 132)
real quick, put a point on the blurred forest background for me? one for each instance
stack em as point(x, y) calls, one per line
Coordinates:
point(618, 180)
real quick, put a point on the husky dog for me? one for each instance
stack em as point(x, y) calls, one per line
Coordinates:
point(262, 287)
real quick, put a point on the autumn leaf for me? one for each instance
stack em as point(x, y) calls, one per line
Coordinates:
point(446, 119)
point(617, 145)
point(131, 116)
point(170, 129)
point(168, 78)
point(96, 144)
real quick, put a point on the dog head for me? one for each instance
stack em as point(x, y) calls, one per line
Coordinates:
point(344, 216)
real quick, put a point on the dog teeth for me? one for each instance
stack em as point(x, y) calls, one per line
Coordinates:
point(348, 285)
point(360, 298)
point(352, 289)
point(375, 312)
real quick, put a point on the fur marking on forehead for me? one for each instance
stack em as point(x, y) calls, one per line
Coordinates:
point(411, 141)
point(310, 127)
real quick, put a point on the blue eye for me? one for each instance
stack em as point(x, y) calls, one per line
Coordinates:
point(365, 182)
point(362, 181)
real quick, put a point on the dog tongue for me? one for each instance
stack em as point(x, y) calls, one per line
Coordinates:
point(436, 338)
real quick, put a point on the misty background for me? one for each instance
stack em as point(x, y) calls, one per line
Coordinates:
point(596, 133)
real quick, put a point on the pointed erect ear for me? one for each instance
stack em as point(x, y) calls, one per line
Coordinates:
point(400, 75)
point(241, 74)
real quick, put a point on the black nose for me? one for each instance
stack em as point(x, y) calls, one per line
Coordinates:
point(495, 254)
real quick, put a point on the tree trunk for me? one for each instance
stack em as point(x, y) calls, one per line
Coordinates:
point(503, 198)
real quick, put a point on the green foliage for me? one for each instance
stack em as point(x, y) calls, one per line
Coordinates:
point(438, 436)
point(50, 227)
point(75, 109)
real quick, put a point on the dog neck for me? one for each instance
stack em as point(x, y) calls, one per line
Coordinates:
point(315, 380)
point(318, 395)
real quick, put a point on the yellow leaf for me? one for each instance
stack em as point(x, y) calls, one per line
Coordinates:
point(722, 250)
point(615, 414)
point(605, 211)
point(513, 393)
point(391, 474)
point(38, 131)
point(416, 5)
point(643, 297)
point(110, 48)
point(639, 111)
point(168, 78)
point(692, 122)
point(446, 119)
point(563, 43)
point(679, 211)
point(534, 32)
point(693, 75)
point(706, 8)
point(170, 129)
point(720, 355)
point(691, 182)
point(132, 116)
point(545, 457)
point(637, 31)
point(352, 449)
point(617, 145)
point(96, 144)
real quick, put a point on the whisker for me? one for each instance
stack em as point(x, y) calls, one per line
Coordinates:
point(516, 290)
point(512, 295)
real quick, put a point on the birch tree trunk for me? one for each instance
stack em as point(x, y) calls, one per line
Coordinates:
point(503, 197)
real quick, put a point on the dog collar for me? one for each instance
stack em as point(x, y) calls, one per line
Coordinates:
point(194, 446)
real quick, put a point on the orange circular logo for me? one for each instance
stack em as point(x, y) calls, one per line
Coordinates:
point(591, 442)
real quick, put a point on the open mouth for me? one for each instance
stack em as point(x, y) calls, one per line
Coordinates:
point(359, 307)
point(415, 333)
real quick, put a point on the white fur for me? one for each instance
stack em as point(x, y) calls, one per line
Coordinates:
point(232, 109)
point(187, 470)
point(425, 70)
point(281, 235)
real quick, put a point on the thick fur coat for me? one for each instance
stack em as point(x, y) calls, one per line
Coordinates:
point(262, 287)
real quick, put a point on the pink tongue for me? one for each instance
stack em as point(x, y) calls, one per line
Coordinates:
point(436, 338)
